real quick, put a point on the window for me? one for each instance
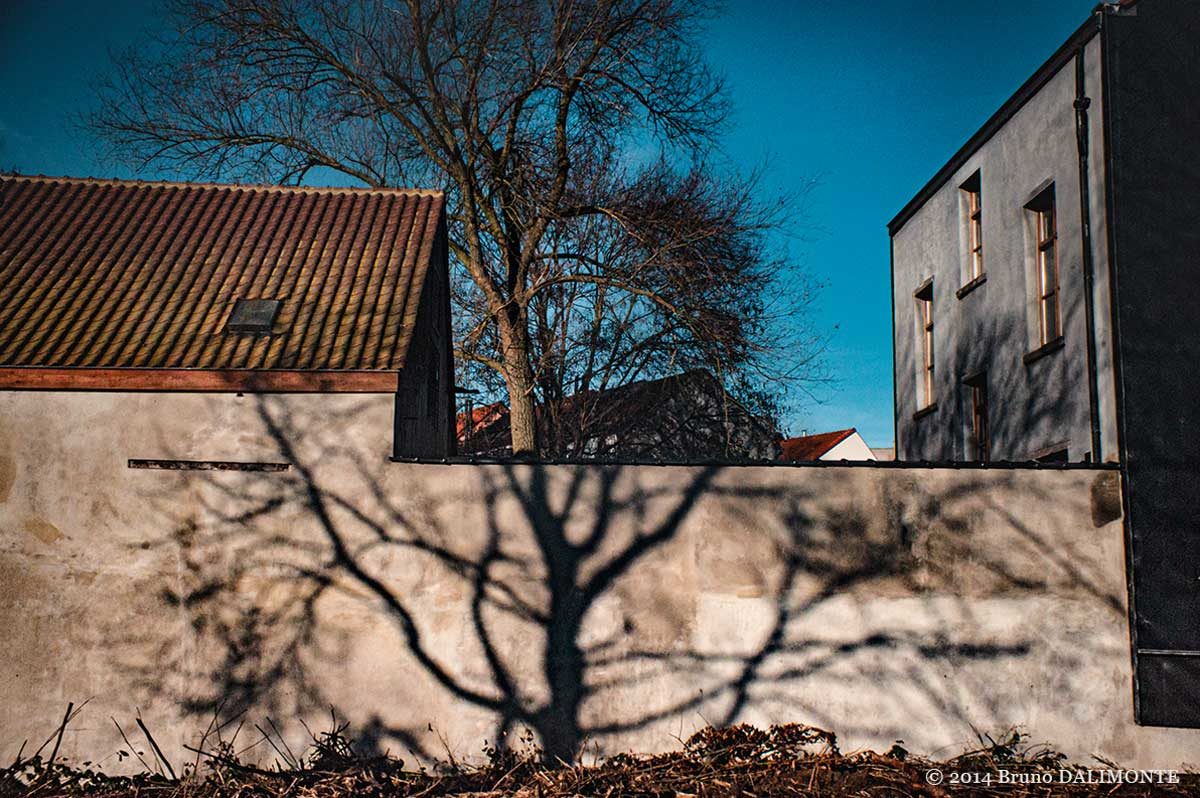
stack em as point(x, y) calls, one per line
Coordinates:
point(924, 297)
point(979, 442)
point(253, 315)
point(973, 195)
point(1045, 228)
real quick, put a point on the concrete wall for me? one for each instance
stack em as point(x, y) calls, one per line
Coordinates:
point(441, 606)
point(1035, 406)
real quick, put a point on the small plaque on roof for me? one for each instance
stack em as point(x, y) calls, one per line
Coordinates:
point(253, 315)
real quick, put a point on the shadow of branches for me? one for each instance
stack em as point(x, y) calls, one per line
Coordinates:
point(1033, 409)
point(590, 604)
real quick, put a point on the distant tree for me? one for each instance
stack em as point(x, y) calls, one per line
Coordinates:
point(581, 263)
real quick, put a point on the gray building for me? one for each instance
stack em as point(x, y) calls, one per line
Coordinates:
point(1046, 303)
point(999, 353)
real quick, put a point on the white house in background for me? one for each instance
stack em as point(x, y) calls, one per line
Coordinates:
point(845, 444)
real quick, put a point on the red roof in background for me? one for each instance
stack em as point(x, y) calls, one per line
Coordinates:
point(812, 447)
point(482, 417)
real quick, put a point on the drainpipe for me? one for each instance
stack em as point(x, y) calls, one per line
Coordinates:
point(1082, 103)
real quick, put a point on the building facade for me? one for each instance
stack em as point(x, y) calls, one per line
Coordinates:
point(1000, 352)
point(1045, 306)
point(229, 291)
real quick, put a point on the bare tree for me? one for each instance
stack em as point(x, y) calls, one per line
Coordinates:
point(584, 265)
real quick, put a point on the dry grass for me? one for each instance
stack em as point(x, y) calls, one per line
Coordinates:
point(786, 760)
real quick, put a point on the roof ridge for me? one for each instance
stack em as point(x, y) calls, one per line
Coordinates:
point(134, 183)
point(804, 448)
point(846, 431)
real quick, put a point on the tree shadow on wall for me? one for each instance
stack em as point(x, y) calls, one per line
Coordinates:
point(920, 614)
point(1031, 406)
point(588, 604)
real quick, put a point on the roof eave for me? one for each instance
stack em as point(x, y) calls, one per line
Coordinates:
point(38, 378)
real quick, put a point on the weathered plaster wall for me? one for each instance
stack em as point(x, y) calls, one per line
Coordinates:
point(1032, 406)
point(618, 607)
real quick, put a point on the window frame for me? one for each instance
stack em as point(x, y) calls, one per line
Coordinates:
point(924, 299)
point(980, 428)
point(1046, 263)
point(972, 188)
point(975, 234)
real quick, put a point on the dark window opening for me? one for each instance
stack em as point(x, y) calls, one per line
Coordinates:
point(979, 438)
point(253, 315)
point(924, 297)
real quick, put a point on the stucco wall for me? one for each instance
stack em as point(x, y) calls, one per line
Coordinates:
point(441, 606)
point(1032, 406)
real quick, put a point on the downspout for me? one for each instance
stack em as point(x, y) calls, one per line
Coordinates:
point(1082, 103)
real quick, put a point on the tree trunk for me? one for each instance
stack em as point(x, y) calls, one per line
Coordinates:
point(518, 376)
point(520, 407)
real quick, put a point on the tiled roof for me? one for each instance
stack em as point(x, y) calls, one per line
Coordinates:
point(812, 447)
point(107, 274)
point(482, 417)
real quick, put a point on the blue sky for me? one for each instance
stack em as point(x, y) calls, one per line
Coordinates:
point(867, 98)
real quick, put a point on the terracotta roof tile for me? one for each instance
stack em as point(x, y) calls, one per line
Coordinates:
point(480, 419)
point(130, 274)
